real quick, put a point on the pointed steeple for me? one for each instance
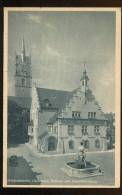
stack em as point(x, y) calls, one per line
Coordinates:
point(84, 80)
point(23, 49)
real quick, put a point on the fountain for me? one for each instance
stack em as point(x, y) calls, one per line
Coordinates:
point(82, 168)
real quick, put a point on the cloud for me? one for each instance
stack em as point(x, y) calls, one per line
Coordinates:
point(50, 26)
point(34, 18)
point(52, 52)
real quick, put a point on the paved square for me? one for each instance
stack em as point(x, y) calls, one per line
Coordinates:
point(47, 169)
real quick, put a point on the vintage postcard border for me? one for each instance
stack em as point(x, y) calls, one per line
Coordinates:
point(117, 94)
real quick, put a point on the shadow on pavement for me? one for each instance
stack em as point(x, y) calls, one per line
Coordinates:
point(20, 172)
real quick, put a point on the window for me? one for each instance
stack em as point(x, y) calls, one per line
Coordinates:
point(71, 144)
point(97, 143)
point(86, 144)
point(70, 130)
point(47, 103)
point(76, 114)
point(73, 115)
point(50, 128)
point(84, 130)
point(96, 130)
point(92, 115)
point(55, 129)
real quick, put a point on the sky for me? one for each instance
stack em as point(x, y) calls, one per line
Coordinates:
point(59, 44)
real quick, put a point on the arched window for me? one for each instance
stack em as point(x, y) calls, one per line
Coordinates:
point(97, 143)
point(71, 144)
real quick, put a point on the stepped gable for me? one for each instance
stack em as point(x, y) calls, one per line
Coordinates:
point(89, 98)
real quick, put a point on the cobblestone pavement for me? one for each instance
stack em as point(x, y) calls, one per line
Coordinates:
point(50, 166)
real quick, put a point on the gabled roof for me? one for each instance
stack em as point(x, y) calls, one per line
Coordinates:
point(21, 101)
point(89, 98)
point(52, 99)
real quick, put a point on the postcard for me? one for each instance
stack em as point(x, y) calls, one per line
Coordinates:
point(61, 97)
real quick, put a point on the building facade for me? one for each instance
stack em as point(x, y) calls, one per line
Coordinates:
point(60, 120)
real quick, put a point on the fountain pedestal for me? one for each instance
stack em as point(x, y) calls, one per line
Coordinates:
point(73, 170)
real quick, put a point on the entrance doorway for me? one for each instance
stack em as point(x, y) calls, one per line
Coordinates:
point(52, 143)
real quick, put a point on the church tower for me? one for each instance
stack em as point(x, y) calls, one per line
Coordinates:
point(23, 75)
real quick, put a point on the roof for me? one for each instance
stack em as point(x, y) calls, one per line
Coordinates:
point(21, 101)
point(53, 99)
point(89, 97)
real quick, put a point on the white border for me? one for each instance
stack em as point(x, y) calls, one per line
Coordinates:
point(117, 94)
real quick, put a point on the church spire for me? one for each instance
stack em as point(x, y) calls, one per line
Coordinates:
point(84, 80)
point(23, 76)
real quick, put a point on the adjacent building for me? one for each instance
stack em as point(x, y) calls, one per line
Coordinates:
point(20, 103)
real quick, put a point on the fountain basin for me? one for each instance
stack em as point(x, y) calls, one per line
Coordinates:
point(73, 169)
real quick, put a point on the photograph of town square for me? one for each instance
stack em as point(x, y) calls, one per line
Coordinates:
point(61, 98)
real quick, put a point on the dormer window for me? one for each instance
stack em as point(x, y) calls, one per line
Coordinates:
point(92, 115)
point(76, 114)
point(47, 103)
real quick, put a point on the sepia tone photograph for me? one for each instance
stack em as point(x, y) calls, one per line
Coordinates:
point(62, 97)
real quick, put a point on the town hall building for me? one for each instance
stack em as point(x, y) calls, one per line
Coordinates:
point(61, 120)
point(55, 121)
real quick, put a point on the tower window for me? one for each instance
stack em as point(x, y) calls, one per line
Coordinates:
point(23, 82)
